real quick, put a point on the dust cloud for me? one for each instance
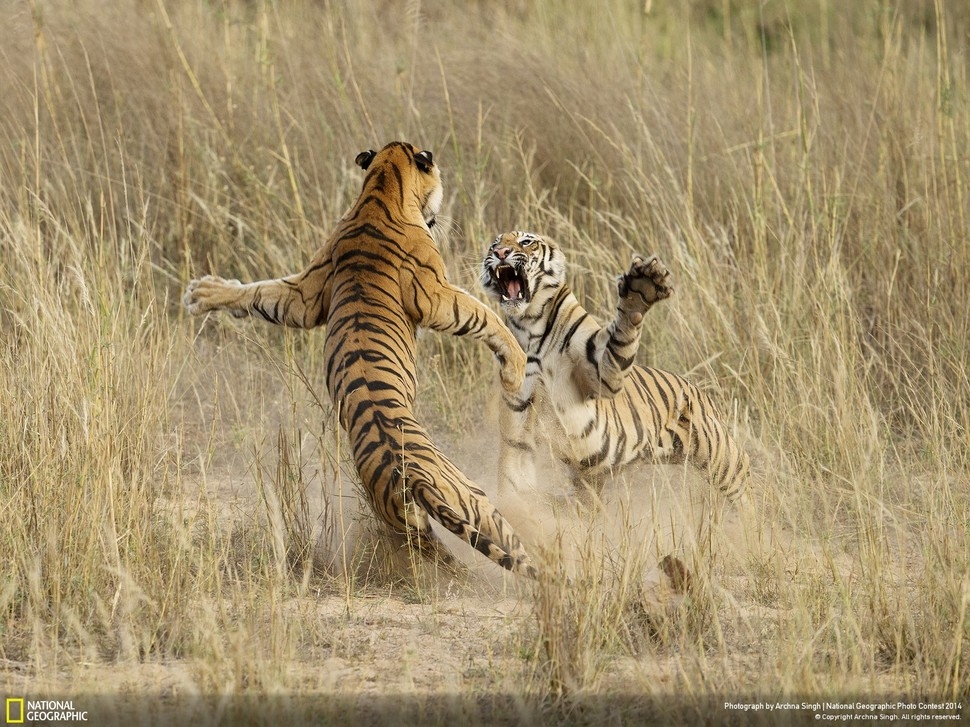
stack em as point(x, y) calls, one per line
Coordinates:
point(643, 514)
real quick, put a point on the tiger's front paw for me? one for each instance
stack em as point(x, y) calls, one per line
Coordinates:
point(213, 293)
point(513, 370)
point(646, 282)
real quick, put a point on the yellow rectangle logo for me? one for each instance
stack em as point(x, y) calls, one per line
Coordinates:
point(15, 710)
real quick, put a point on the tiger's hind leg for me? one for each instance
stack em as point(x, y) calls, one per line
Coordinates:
point(728, 466)
point(710, 448)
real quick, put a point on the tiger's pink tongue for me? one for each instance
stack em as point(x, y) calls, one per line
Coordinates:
point(513, 290)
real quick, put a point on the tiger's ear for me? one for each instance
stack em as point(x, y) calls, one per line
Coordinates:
point(364, 159)
point(424, 160)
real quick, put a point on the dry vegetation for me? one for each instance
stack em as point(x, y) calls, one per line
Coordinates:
point(177, 515)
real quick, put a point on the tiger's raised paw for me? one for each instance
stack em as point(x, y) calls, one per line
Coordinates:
point(646, 282)
point(213, 293)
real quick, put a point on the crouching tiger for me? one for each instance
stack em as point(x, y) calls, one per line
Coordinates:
point(379, 277)
point(582, 375)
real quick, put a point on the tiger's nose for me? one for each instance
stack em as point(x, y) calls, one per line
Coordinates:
point(502, 252)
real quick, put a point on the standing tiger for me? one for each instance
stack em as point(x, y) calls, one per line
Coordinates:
point(375, 281)
point(583, 376)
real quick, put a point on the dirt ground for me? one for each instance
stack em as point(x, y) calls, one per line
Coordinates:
point(444, 642)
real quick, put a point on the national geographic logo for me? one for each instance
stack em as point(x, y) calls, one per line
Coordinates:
point(20, 710)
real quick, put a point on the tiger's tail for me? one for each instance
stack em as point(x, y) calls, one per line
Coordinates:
point(467, 512)
point(409, 480)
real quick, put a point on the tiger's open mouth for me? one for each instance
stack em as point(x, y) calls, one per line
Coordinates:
point(510, 283)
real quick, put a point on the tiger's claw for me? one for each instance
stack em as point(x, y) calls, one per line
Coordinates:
point(212, 293)
point(646, 282)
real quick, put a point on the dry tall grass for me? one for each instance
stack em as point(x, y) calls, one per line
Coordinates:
point(802, 168)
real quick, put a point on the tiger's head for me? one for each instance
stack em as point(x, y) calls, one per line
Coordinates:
point(400, 172)
point(522, 270)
